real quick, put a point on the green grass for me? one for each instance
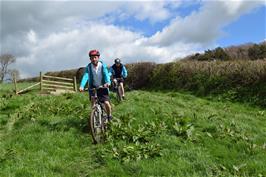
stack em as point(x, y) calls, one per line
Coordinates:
point(152, 134)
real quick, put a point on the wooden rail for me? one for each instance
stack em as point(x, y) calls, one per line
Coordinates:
point(59, 78)
point(22, 90)
point(25, 89)
point(50, 83)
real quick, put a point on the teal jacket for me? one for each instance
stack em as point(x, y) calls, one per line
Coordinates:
point(87, 76)
point(115, 73)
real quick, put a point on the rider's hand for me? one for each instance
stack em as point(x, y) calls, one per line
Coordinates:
point(81, 89)
point(106, 85)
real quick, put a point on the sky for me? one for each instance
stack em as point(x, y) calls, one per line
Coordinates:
point(57, 35)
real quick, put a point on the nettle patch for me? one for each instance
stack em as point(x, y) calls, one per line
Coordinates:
point(128, 141)
point(184, 128)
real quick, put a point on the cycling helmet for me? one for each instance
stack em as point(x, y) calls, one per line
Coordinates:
point(117, 61)
point(94, 53)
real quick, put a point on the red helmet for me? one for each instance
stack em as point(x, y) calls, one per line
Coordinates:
point(94, 53)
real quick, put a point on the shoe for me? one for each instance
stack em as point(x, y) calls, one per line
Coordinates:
point(123, 97)
point(109, 118)
point(104, 119)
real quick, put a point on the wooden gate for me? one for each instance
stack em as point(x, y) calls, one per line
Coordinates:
point(51, 83)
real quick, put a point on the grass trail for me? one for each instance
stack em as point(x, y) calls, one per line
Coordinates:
point(152, 134)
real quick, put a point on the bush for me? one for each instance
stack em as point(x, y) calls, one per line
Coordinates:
point(138, 74)
point(247, 79)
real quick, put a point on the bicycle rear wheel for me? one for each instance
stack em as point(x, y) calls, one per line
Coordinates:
point(97, 125)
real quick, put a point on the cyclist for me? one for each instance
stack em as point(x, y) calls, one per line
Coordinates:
point(118, 74)
point(96, 74)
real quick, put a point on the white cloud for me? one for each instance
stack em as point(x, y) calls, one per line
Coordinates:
point(203, 26)
point(32, 37)
point(50, 36)
point(152, 10)
point(67, 50)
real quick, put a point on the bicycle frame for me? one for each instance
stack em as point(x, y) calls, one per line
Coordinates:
point(97, 119)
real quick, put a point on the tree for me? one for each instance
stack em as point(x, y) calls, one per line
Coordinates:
point(254, 52)
point(262, 51)
point(5, 61)
point(220, 54)
point(257, 51)
point(207, 56)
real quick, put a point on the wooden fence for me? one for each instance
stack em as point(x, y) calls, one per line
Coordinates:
point(51, 83)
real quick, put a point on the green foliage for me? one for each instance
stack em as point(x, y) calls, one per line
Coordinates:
point(210, 55)
point(182, 127)
point(246, 79)
point(138, 75)
point(137, 140)
point(257, 51)
point(152, 133)
point(220, 54)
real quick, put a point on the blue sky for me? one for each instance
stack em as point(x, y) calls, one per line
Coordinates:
point(149, 28)
point(56, 35)
point(248, 28)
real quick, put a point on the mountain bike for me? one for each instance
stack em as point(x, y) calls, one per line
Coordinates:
point(98, 118)
point(118, 89)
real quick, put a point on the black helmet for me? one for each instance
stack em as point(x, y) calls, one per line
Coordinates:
point(117, 61)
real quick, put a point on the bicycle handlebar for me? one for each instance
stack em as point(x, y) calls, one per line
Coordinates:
point(97, 88)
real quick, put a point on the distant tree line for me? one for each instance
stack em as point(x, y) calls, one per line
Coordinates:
point(242, 52)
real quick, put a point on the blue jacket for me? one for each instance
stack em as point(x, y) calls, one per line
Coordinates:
point(87, 76)
point(116, 73)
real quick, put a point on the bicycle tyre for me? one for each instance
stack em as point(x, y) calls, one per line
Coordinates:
point(97, 125)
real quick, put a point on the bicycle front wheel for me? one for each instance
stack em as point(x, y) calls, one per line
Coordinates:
point(97, 125)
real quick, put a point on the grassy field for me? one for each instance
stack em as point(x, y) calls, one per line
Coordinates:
point(152, 134)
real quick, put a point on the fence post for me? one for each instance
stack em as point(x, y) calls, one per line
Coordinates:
point(15, 83)
point(75, 84)
point(41, 81)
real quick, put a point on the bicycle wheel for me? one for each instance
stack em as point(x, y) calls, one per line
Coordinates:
point(97, 124)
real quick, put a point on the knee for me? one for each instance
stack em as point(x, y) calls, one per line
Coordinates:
point(107, 103)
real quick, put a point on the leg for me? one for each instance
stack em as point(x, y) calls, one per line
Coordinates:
point(122, 89)
point(93, 101)
point(108, 108)
point(103, 95)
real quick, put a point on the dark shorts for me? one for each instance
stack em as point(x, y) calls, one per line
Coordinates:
point(120, 80)
point(102, 94)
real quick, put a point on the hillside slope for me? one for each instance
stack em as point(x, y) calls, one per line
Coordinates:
point(152, 134)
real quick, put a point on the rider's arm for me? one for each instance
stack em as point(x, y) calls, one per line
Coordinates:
point(124, 72)
point(85, 79)
point(106, 75)
point(111, 71)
